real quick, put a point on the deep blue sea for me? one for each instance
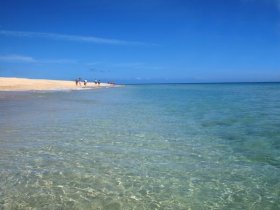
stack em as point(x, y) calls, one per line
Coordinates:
point(177, 147)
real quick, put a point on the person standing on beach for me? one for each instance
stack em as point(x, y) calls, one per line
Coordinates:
point(76, 81)
point(85, 82)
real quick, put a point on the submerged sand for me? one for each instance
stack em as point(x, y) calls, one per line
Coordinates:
point(24, 84)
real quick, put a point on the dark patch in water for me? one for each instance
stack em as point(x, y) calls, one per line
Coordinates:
point(217, 123)
point(265, 159)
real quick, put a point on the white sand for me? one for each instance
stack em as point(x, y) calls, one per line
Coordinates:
point(23, 84)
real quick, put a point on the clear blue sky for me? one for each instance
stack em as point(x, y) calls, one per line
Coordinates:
point(141, 41)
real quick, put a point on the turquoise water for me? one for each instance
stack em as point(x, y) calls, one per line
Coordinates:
point(214, 146)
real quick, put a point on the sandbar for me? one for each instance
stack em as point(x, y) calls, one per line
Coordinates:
point(25, 84)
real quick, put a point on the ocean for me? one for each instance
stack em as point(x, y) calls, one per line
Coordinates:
point(173, 146)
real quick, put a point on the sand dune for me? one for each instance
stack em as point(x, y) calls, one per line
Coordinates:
point(23, 84)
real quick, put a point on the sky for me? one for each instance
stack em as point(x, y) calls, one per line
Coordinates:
point(141, 41)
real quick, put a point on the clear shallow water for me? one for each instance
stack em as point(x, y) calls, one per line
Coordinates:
point(142, 147)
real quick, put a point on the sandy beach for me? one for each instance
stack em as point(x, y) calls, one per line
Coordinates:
point(24, 84)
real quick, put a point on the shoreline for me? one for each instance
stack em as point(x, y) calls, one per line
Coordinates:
point(26, 84)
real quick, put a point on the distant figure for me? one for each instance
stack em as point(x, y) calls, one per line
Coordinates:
point(95, 82)
point(80, 81)
point(76, 81)
point(98, 82)
point(85, 82)
point(111, 83)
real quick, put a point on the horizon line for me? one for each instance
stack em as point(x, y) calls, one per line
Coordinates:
point(193, 83)
point(151, 83)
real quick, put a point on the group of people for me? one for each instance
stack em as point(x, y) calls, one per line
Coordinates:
point(78, 81)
